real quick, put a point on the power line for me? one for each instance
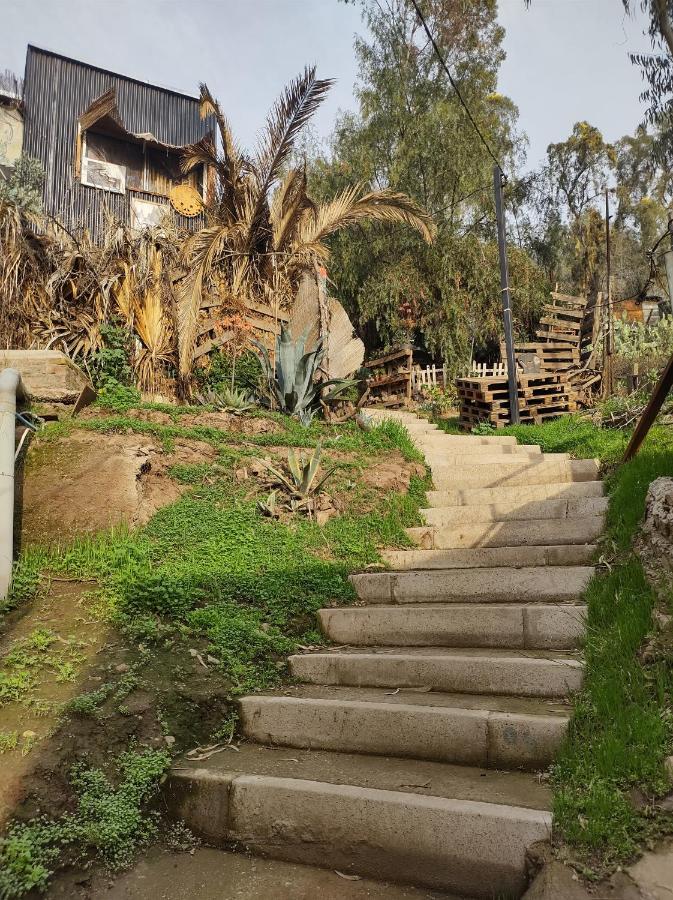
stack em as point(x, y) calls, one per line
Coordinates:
point(455, 86)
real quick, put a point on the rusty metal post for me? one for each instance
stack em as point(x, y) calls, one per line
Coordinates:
point(498, 181)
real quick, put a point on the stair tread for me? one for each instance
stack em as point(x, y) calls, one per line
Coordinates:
point(478, 557)
point(567, 657)
point(525, 706)
point(360, 605)
point(432, 779)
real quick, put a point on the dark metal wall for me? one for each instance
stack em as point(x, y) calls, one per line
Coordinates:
point(57, 91)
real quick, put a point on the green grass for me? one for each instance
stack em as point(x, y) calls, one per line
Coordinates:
point(210, 565)
point(210, 570)
point(622, 724)
point(109, 822)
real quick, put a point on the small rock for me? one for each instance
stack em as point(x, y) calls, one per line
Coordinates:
point(666, 805)
point(668, 765)
point(169, 739)
point(122, 667)
point(212, 659)
point(637, 799)
point(29, 735)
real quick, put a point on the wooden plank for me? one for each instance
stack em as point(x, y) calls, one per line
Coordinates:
point(267, 311)
point(580, 302)
point(268, 327)
point(398, 354)
point(207, 326)
point(213, 344)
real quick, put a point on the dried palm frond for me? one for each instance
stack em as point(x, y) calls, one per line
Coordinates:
point(349, 209)
point(287, 118)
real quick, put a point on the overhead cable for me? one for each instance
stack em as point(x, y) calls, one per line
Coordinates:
point(455, 86)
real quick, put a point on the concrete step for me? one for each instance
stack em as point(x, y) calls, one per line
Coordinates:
point(512, 625)
point(523, 673)
point(524, 493)
point(516, 509)
point(512, 533)
point(533, 584)
point(448, 477)
point(522, 734)
point(453, 828)
point(484, 456)
point(436, 442)
point(486, 557)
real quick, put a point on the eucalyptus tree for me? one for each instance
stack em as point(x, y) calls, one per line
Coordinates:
point(411, 134)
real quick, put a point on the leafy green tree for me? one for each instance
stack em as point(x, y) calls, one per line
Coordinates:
point(411, 134)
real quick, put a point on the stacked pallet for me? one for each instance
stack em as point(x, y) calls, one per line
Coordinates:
point(561, 321)
point(543, 395)
point(390, 382)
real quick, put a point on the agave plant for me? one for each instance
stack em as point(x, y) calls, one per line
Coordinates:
point(262, 228)
point(291, 381)
point(227, 398)
point(302, 483)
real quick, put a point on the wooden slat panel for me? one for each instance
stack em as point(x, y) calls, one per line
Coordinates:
point(213, 344)
point(267, 311)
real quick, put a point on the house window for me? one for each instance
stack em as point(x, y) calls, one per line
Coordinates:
point(146, 214)
point(117, 165)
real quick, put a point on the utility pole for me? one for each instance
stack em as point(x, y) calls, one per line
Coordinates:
point(609, 336)
point(498, 181)
point(668, 259)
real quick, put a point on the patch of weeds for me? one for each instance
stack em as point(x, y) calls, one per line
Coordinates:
point(178, 838)
point(89, 703)
point(227, 729)
point(110, 824)
point(195, 473)
point(25, 581)
point(33, 657)
point(117, 397)
point(9, 740)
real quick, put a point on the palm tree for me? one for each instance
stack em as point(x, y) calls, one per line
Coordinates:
point(262, 229)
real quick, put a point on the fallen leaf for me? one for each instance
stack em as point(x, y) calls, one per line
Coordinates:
point(348, 877)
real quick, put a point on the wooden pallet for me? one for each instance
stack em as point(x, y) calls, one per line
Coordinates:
point(540, 396)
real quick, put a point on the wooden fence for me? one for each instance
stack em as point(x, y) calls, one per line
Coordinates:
point(436, 376)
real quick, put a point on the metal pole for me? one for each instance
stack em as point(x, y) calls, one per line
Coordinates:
point(668, 260)
point(608, 378)
point(498, 181)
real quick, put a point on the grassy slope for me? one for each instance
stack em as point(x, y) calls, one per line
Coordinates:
point(208, 571)
point(622, 726)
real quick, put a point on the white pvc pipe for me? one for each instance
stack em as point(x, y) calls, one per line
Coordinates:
point(10, 385)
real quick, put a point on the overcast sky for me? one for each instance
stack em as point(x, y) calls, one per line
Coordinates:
point(566, 59)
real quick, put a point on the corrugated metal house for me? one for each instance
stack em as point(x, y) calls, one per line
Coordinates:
point(110, 145)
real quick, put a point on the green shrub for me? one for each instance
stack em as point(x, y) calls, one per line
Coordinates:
point(112, 361)
point(119, 397)
point(110, 824)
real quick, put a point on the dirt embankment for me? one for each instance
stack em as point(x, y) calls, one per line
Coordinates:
point(86, 482)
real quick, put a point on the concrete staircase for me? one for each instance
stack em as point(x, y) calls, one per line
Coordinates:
point(407, 752)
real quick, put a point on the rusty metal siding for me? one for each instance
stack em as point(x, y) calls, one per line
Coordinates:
point(57, 91)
